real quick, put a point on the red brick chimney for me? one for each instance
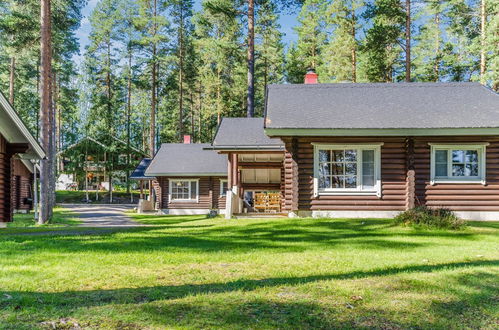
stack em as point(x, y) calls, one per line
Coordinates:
point(187, 139)
point(311, 77)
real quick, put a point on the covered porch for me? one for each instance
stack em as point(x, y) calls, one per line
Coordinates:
point(255, 183)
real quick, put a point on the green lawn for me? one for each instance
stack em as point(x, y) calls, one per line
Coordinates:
point(192, 272)
point(62, 217)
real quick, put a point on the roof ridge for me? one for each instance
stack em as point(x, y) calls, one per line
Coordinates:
point(377, 85)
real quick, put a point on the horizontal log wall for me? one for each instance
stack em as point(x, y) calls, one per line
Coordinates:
point(458, 197)
point(209, 194)
point(5, 182)
point(21, 186)
point(396, 192)
point(393, 177)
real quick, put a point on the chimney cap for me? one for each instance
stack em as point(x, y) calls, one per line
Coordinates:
point(311, 77)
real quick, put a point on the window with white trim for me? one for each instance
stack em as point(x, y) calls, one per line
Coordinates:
point(223, 187)
point(347, 169)
point(458, 163)
point(184, 190)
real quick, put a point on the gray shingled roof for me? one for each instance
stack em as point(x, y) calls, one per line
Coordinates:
point(382, 106)
point(176, 159)
point(244, 133)
point(139, 172)
point(13, 129)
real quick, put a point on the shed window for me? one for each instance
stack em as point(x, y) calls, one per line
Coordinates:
point(184, 190)
point(347, 169)
point(454, 163)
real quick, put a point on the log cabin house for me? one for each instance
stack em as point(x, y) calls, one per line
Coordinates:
point(15, 142)
point(349, 150)
point(189, 179)
point(374, 150)
point(98, 163)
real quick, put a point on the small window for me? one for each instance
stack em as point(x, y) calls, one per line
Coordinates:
point(454, 163)
point(347, 169)
point(223, 187)
point(183, 190)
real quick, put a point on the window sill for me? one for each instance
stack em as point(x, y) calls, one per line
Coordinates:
point(184, 201)
point(443, 181)
point(348, 193)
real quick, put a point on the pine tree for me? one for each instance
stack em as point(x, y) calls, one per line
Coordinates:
point(221, 70)
point(491, 46)
point(383, 40)
point(428, 50)
point(154, 26)
point(46, 113)
point(269, 52)
point(295, 68)
point(340, 52)
point(311, 36)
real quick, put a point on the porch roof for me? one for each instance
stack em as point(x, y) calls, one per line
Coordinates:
point(244, 134)
point(139, 172)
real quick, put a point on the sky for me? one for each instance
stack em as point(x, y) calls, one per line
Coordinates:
point(287, 22)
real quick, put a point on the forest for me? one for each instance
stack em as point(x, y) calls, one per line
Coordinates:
point(155, 70)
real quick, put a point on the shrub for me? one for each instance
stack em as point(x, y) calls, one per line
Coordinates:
point(424, 216)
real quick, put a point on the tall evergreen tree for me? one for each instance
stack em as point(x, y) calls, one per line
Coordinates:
point(383, 39)
point(341, 51)
point(154, 26)
point(311, 33)
point(269, 52)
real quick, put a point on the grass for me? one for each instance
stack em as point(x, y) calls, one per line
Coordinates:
point(62, 217)
point(193, 272)
point(76, 197)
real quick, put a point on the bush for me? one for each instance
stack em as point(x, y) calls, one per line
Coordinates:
point(424, 216)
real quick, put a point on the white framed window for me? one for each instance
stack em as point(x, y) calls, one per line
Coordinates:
point(458, 163)
point(184, 190)
point(347, 169)
point(223, 187)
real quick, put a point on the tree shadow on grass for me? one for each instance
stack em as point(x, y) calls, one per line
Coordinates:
point(161, 304)
point(149, 294)
point(287, 236)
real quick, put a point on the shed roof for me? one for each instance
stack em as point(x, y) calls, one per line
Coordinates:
point(177, 159)
point(244, 133)
point(14, 130)
point(139, 172)
point(381, 106)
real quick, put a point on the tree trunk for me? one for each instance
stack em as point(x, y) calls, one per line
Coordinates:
point(200, 107)
point(128, 116)
point(152, 128)
point(408, 40)
point(354, 47)
point(251, 59)
point(436, 69)
point(193, 113)
point(181, 76)
point(12, 80)
point(45, 110)
point(483, 23)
